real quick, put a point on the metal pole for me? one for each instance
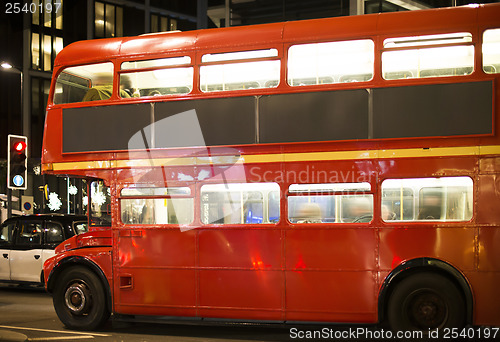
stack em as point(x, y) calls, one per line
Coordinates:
point(228, 13)
point(8, 66)
point(9, 202)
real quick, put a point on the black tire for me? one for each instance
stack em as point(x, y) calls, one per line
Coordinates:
point(426, 302)
point(80, 299)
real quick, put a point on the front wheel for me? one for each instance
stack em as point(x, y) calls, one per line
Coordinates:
point(80, 299)
point(426, 302)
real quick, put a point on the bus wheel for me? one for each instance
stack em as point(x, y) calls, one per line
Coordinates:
point(426, 302)
point(80, 300)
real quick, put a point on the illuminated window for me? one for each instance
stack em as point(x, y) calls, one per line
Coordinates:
point(228, 75)
point(46, 33)
point(240, 203)
point(164, 206)
point(427, 199)
point(47, 13)
point(108, 20)
point(159, 23)
point(330, 203)
point(491, 51)
point(331, 62)
point(426, 59)
point(74, 83)
point(171, 77)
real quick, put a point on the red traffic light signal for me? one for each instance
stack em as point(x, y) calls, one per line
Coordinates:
point(17, 162)
point(19, 146)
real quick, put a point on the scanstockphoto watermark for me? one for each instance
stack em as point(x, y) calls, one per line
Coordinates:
point(310, 175)
point(363, 333)
point(353, 334)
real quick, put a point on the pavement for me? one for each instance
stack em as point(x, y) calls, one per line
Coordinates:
point(10, 336)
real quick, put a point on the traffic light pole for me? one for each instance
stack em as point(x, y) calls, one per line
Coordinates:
point(9, 203)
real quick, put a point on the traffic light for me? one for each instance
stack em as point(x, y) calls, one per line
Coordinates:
point(17, 162)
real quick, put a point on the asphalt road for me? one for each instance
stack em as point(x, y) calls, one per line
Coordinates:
point(27, 314)
point(28, 311)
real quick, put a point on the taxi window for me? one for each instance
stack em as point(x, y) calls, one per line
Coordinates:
point(6, 233)
point(53, 233)
point(30, 233)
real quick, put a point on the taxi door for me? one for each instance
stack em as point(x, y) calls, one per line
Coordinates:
point(26, 254)
point(6, 236)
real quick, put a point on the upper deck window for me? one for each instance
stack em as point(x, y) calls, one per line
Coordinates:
point(250, 73)
point(491, 51)
point(84, 83)
point(428, 56)
point(165, 76)
point(331, 62)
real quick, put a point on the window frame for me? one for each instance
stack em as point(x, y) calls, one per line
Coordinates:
point(417, 196)
point(223, 62)
point(335, 82)
point(188, 65)
point(265, 193)
point(483, 64)
point(424, 44)
point(154, 196)
point(338, 193)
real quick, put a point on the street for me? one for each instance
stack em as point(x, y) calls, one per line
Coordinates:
point(28, 311)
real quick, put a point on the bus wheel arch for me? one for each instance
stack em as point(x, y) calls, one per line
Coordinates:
point(441, 277)
point(81, 293)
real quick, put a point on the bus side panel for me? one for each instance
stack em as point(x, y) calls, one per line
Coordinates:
point(330, 273)
point(155, 271)
point(485, 281)
point(485, 290)
point(454, 245)
point(240, 273)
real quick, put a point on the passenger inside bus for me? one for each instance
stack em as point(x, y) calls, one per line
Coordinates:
point(431, 206)
point(359, 209)
point(310, 213)
point(102, 89)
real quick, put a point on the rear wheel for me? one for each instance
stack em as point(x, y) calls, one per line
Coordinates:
point(426, 302)
point(80, 299)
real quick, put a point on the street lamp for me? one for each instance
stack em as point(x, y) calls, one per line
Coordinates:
point(6, 66)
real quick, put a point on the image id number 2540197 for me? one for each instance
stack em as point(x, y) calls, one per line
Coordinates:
point(32, 7)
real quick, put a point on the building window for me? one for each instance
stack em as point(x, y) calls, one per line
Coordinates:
point(39, 96)
point(162, 24)
point(46, 33)
point(108, 20)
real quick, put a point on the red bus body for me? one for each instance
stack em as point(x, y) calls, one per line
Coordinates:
point(284, 271)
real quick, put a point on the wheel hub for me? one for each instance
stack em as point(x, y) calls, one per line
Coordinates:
point(428, 310)
point(77, 298)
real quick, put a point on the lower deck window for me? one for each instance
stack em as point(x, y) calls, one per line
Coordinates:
point(240, 203)
point(164, 208)
point(423, 199)
point(330, 203)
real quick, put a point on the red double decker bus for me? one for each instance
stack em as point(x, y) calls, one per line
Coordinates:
point(330, 170)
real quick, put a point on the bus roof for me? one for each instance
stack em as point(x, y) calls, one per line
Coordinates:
point(233, 38)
